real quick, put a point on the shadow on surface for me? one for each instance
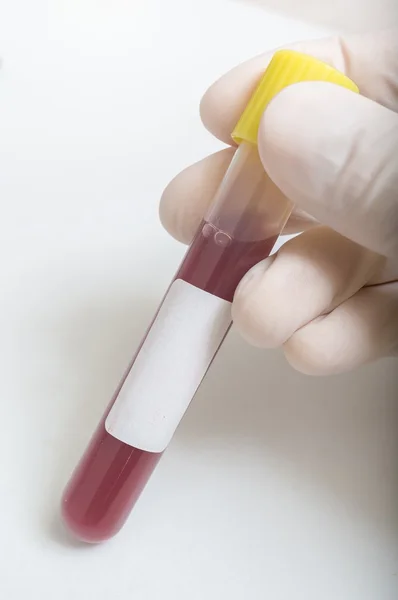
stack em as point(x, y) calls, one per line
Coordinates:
point(334, 433)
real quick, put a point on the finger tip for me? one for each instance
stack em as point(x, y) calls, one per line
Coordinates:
point(224, 102)
point(321, 349)
point(186, 198)
point(215, 113)
point(305, 360)
point(168, 215)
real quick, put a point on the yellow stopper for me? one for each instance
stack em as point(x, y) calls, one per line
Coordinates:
point(286, 68)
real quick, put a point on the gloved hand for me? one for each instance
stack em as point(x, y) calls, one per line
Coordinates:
point(330, 295)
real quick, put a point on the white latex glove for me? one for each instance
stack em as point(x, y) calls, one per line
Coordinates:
point(330, 295)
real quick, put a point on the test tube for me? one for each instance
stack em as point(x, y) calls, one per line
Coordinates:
point(240, 229)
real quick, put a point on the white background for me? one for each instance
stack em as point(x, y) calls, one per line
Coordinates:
point(276, 486)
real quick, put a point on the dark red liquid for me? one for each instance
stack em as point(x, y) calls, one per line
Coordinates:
point(216, 263)
point(111, 475)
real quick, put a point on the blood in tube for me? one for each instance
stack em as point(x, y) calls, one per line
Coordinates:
point(112, 474)
point(216, 262)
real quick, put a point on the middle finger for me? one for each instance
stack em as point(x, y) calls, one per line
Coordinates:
point(187, 197)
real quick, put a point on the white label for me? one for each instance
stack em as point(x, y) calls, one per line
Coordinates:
point(169, 368)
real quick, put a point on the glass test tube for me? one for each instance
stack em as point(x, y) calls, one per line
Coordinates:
point(243, 223)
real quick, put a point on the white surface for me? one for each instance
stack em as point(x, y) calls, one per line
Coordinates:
point(276, 485)
point(170, 366)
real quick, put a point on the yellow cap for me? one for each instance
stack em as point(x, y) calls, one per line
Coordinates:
point(286, 67)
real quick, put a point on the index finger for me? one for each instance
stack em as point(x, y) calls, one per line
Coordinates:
point(370, 60)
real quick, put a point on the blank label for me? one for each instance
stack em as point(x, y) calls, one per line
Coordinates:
point(182, 342)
